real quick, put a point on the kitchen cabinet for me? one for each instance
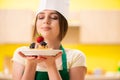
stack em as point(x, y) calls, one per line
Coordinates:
point(15, 26)
point(72, 36)
point(100, 26)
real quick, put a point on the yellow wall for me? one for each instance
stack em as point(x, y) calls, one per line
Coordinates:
point(94, 5)
point(19, 4)
point(105, 57)
point(83, 4)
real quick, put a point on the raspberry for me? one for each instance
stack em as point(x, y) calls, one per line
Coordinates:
point(40, 39)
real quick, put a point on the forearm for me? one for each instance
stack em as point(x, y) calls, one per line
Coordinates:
point(29, 72)
point(54, 73)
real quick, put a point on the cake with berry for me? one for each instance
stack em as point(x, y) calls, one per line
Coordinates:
point(40, 47)
point(39, 44)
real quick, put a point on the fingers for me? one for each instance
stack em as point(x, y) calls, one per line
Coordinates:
point(21, 54)
point(41, 58)
point(58, 55)
point(31, 57)
point(28, 57)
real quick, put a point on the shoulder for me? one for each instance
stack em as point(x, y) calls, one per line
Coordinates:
point(75, 58)
point(74, 52)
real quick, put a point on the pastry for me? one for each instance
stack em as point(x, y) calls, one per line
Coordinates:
point(39, 44)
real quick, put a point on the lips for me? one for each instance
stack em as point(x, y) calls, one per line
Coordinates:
point(46, 28)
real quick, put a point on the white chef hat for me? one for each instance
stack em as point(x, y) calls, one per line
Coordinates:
point(61, 6)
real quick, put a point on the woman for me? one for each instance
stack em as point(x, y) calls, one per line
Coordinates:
point(69, 65)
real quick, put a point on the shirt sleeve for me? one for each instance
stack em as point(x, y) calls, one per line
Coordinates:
point(79, 59)
point(16, 57)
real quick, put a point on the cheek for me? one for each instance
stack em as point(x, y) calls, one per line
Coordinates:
point(57, 29)
point(38, 24)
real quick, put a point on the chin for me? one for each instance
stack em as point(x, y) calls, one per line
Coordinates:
point(46, 35)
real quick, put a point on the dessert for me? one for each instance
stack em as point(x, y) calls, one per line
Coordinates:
point(40, 47)
point(39, 44)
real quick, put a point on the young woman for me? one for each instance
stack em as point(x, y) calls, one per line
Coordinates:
point(69, 65)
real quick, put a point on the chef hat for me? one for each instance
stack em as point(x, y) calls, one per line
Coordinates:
point(61, 6)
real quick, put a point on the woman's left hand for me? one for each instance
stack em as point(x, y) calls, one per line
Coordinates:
point(50, 60)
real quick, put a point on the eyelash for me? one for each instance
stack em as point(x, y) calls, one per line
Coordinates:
point(54, 18)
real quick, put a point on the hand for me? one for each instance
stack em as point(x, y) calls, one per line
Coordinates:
point(50, 60)
point(32, 59)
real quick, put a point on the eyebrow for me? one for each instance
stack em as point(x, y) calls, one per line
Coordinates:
point(50, 13)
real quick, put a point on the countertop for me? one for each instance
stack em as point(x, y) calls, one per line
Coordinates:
point(88, 77)
point(102, 77)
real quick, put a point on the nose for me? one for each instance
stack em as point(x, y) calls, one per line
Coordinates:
point(46, 21)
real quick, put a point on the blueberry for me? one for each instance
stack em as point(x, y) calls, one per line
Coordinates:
point(32, 45)
point(43, 43)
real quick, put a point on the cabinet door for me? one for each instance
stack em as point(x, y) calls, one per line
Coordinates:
point(15, 26)
point(101, 27)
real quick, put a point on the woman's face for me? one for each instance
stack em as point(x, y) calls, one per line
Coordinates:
point(48, 24)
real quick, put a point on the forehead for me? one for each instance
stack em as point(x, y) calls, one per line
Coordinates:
point(48, 12)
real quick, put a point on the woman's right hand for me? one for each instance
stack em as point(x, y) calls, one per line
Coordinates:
point(27, 71)
point(32, 59)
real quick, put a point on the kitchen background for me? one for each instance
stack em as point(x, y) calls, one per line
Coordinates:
point(94, 28)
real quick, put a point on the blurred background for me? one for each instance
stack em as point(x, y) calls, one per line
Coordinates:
point(94, 28)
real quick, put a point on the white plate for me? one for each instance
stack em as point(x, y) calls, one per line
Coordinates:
point(35, 52)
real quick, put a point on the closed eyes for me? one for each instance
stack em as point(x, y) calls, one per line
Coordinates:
point(52, 16)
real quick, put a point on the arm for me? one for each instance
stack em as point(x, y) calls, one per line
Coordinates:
point(27, 72)
point(20, 72)
point(78, 73)
point(17, 70)
point(53, 73)
point(78, 67)
point(24, 72)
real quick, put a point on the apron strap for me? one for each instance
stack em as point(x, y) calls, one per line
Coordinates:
point(64, 60)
